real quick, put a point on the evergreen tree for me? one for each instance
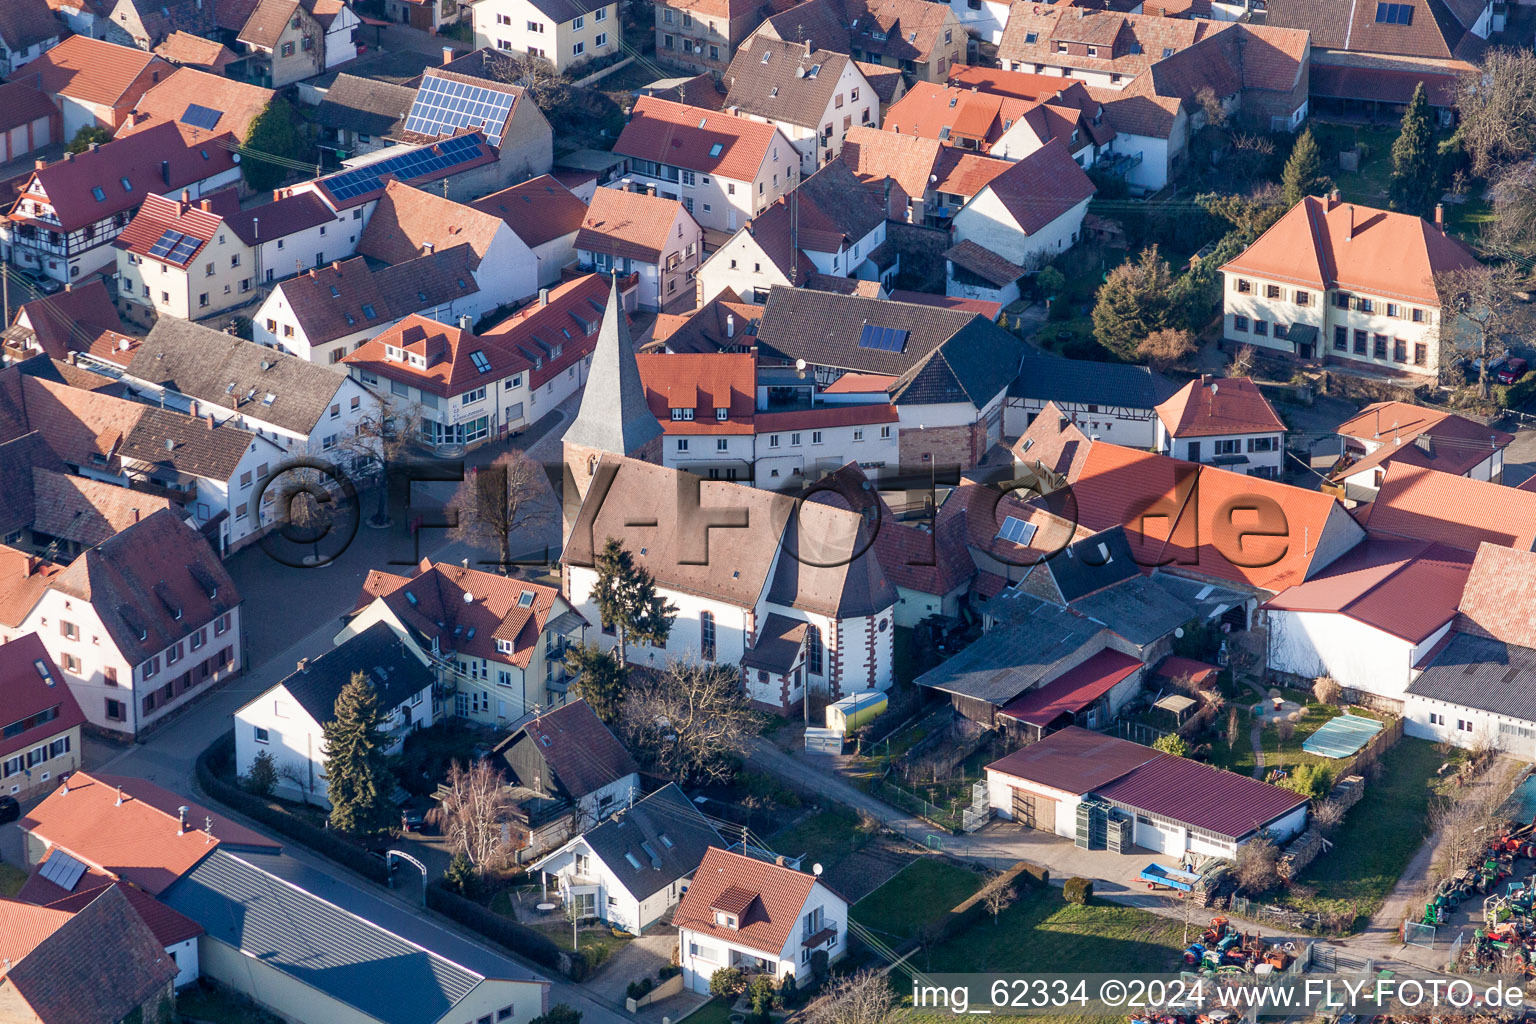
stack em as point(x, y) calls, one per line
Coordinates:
point(1137, 299)
point(627, 600)
point(274, 133)
point(358, 778)
point(1303, 175)
point(1415, 161)
point(599, 680)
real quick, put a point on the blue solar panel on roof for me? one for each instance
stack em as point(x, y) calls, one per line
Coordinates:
point(883, 339)
point(346, 185)
point(201, 117)
point(442, 107)
point(165, 243)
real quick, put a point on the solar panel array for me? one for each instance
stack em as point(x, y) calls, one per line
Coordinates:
point(175, 247)
point(883, 339)
point(199, 116)
point(418, 163)
point(442, 107)
point(62, 870)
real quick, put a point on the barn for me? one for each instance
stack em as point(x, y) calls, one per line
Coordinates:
point(1179, 806)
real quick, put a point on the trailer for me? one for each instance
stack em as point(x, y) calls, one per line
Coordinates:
point(1158, 877)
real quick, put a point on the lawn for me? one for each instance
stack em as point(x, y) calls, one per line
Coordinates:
point(922, 892)
point(598, 942)
point(716, 1011)
point(1381, 834)
point(11, 879)
point(825, 837)
point(1239, 758)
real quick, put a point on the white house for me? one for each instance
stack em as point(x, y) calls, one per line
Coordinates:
point(812, 96)
point(1224, 422)
point(1114, 401)
point(139, 624)
point(304, 408)
point(1386, 432)
point(1025, 216)
point(760, 917)
point(654, 238)
point(287, 722)
point(632, 868)
point(982, 19)
point(564, 32)
point(546, 216)
point(724, 169)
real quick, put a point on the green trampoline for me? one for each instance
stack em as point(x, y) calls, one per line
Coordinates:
point(1341, 736)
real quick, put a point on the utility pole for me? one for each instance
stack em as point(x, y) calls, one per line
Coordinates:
point(5, 289)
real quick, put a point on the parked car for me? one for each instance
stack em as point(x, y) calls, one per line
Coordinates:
point(1511, 370)
point(41, 283)
point(413, 814)
point(10, 810)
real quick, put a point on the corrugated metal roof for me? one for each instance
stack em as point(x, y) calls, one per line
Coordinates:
point(1482, 673)
point(1074, 760)
point(1074, 689)
point(1196, 794)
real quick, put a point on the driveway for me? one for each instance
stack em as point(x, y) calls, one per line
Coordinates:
point(638, 959)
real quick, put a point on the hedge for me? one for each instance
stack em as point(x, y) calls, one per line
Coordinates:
point(322, 841)
point(1077, 890)
point(517, 937)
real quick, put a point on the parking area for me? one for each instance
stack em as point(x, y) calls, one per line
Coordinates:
point(642, 958)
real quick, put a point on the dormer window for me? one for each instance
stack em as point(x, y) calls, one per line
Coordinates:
point(683, 414)
point(503, 646)
point(393, 352)
point(725, 920)
point(721, 414)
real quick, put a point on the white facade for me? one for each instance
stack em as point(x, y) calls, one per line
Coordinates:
point(19, 58)
point(724, 204)
point(704, 953)
point(669, 278)
point(283, 257)
point(585, 877)
point(340, 45)
point(988, 223)
point(123, 696)
point(1368, 481)
point(741, 266)
point(1357, 656)
point(1265, 452)
point(780, 458)
point(278, 725)
point(1122, 425)
point(520, 26)
point(1457, 724)
point(852, 103)
point(982, 19)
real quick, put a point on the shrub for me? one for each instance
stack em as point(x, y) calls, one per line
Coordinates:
point(262, 778)
point(560, 1013)
point(668, 970)
point(639, 989)
point(1310, 780)
point(1258, 863)
point(819, 962)
point(762, 992)
point(1327, 690)
point(1173, 744)
point(727, 982)
point(517, 937)
point(460, 877)
point(1078, 890)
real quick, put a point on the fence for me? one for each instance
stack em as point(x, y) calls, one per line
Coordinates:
point(941, 817)
point(1282, 917)
point(1372, 751)
point(598, 76)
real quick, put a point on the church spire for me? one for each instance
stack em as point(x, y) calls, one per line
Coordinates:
point(614, 415)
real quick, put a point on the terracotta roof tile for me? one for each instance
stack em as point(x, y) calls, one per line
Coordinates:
point(874, 155)
point(157, 215)
point(25, 690)
point(984, 263)
point(407, 220)
point(238, 104)
point(450, 369)
point(1500, 596)
point(23, 578)
point(194, 51)
point(965, 174)
point(722, 324)
point(771, 899)
point(686, 137)
point(88, 511)
point(1383, 84)
point(20, 104)
point(54, 321)
point(1041, 187)
point(1453, 510)
point(538, 211)
point(91, 70)
point(1418, 436)
point(978, 306)
point(702, 383)
point(582, 752)
point(1229, 405)
point(628, 224)
point(23, 927)
point(168, 926)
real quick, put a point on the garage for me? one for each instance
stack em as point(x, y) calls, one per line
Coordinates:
point(1149, 835)
point(1034, 810)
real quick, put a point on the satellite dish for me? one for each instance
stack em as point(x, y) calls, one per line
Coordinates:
point(816, 870)
point(1179, 633)
point(800, 364)
point(469, 598)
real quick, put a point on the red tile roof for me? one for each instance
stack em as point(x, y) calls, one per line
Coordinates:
point(23, 578)
point(1229, 405)
point(1041, 187)
point(447, 350)
point(169, 926)
point(91, 70)
point(774, 897)
point(1342, 245)
point(570, 320)
point(31, 684)
point(195, 51)
point(683, 136)
point(139, 839)
point(986, 309)
point(238, 104)
point(1430, 438)
point(874, 155)
point(860, 383)
point(828, 415)
point(1073, 690)
point(55, 320)
point(1451, 510)
point(1383, 84)
point(1403, 587)
point(930, 562)
point(200, 220)
point(85, 510)
point(1197, 794)
point(721, 323)
point(701, 382)
point(964, 174)
point(538, 211)
point(579, 749)
point(1199, 672)
point(1150, 495)
point(1499, 600)
point(408, 220)
point(23, 926)
point(20, 104)
point(629, 224)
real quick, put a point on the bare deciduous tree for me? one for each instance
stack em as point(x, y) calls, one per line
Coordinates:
point(998, 896)
point(386, 434)
point(1479, 314)
point(689, 721)
point(1328, 816)
point(1461, 826)
point(1243, 360)
point(1258, 865)
point(473, 812)
point(862, 998)
point(1496, 109)
point(1162, 349)
point(497, 501)
point(548, 87)
point(1284, 730)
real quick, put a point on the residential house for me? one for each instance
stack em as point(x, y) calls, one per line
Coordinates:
point(410, 222)
point(55, 959)
point(812, 96)
point(839, 224)
point(73, 320)
point(287, 722)
point(723, 324)
point(207, 467)
point(1008, 121)
point(180, 259)
point(361, 115)
point(500, 648)
point(1223, 422)
point(1347, 284)
point(467, 163)
point(757, 917)
point(1369, 619)
point(55, 515)
point(145, 24)
point(70, 212)
point(923, 40)
point(429, 16)
point(41, 736)
point(946, 371)
point(1425, 504)
point(258, 916)
point(28, 28)
point(203, 106)
point(982, 19)
point(633, 867)
point(469, 92)
point(801, 605)
point(546, 216)
point(566, 33)
point(1387, 432)
point(287, 41)
point(1117, 402)
point(306, 409)
point(162, 617)
point(29, 121)
point(724, 169)
point(82, 17)
point(189, 51)
point(634, 233)
point(1019, 220)
point(327, 312)
point(565, 772)
point(94, 82)
point(702, 35)
point(937, 179)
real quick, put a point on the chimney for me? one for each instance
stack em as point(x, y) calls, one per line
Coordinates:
point(39, 164)
point(543, 296)
point(193, 410)
point(807, 47)
point(447, 55)
point(1351, 237)
point(135, 513)
point(779, 860)
point(1440, 216)
point(119, 797)
point(650, 190)
point(181, 819)
point(465, 322)
point(465, 563)
point(69, 158)
point(311, 273)
point(65, 780)
point(277, 194)
point(165, 172)
point(730, 325)
point(303, 665)
point(428, 248)
point(92, 147)
point(210, 421)
point(1333, 199)
point(336, 266)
